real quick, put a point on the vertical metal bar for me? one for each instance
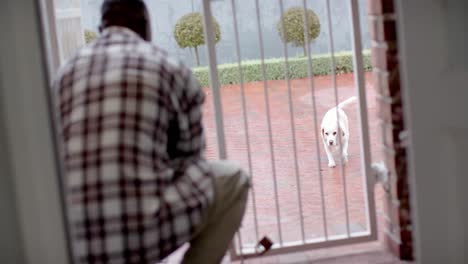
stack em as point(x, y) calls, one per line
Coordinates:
point(310, 74)
point(293, 125)
point(363, 119)
point(333, 65)
point(244, 112)
point(214, 82)
point(268, 115)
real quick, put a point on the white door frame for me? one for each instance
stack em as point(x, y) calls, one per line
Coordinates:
point(31, 160)
point(435, 96)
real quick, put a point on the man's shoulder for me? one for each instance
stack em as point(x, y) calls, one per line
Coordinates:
point(177, 69)
point(162, 57)
point(155, 59)
point(143, 50)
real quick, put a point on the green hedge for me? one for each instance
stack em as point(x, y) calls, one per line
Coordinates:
point(275, 70)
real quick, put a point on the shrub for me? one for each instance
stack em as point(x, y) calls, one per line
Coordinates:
point(294, 27)
point(89, 36)
point(275, 68)
point(188, 32)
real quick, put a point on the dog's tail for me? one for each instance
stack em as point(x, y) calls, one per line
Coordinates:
point(347, 102)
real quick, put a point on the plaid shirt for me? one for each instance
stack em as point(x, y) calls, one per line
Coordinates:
point(130, 119)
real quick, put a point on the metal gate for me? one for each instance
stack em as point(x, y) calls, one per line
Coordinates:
point(239, 249)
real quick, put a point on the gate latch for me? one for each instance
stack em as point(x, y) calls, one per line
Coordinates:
point(264, 245)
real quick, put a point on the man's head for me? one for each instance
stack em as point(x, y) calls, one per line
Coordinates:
point(131, 14)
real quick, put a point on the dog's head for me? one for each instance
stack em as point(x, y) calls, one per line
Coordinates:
point(330, 135)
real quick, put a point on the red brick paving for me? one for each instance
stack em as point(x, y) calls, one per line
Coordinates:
point(307, 154)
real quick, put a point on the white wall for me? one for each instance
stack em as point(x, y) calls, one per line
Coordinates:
point(165, 13)
point(70, 33)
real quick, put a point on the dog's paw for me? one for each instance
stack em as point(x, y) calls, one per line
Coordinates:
point(331, 164)
point(344, 158)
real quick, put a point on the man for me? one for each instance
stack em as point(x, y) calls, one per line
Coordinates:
point(136, 182)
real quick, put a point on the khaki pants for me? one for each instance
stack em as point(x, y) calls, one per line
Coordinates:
point(223, 218)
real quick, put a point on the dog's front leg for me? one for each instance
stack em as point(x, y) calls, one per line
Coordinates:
point(345, 151)
point(331, 160)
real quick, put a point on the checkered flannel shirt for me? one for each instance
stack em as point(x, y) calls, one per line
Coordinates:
point(130, 119)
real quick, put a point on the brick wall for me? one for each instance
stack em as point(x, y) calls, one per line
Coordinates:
point(398, 235)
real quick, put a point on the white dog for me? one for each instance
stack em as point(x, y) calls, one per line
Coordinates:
point(335, 133)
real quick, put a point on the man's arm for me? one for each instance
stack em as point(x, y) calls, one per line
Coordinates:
point(186, 135)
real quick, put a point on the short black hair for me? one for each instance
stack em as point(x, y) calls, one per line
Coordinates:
point(131, 14)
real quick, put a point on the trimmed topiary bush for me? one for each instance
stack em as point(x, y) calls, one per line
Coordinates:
point(89, 36)
point(294, 27)
point(298, 68)
point(188, 32)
